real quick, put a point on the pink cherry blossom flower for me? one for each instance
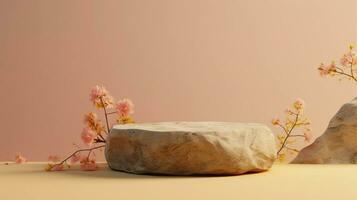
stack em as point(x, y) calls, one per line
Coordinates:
point(90, 118)
point(125, 120)
point(299, 104)
point(97, 92)
point(125, 107)
point(323, 70)
point(327, 70)
point(88, 136)
point(275, 121)
point(331, 68)
point(100, 97)
point(92, 121)
point(108, 101)
point(88, 165)
point(75, 158)
point(349, 59)
point(19, 159)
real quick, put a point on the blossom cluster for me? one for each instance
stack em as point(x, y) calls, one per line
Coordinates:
point(95, 130)
point(19, 159)
point(347, 67)
point(294, 125)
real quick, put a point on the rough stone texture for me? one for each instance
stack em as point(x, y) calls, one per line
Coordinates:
point(339, 142)
point(186, 148)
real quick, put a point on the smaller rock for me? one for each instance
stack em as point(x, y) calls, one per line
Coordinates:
point(338, 145)
point(185, 148)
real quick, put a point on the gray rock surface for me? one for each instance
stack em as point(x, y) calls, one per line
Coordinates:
point(186, 148)
point(339, 142)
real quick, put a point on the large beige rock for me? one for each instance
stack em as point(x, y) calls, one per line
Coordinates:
point(339, 142)
point(185, 148)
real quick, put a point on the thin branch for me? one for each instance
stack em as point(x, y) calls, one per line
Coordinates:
point(98, 140)
point(282, 127)
point(302, 123)
point(80, 150)
point(292, 149)
point(343, 73)
point(100, 135)
point(105, 113)
point(89, 152)
point(352, 68)
point(288, 135)
point(114, 112)
point(341, 70)
point(297, 136)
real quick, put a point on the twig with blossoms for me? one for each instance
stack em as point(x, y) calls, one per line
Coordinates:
point(95, 132)
point(59, 166)
point(294, 120)
point(347, 67)
point(19, 158)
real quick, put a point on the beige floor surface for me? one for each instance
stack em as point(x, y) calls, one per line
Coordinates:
point(30, 182)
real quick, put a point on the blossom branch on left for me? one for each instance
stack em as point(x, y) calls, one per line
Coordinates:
point(295, 119)
point(95, 132)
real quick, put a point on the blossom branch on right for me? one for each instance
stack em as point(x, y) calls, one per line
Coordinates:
point(347, 67)
point(295, 125)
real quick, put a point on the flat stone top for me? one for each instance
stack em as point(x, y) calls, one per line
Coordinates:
point(189, 126)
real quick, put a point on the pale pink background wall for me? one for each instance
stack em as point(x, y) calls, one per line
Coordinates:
point(195, 60)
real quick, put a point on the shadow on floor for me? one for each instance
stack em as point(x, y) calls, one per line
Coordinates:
point(105, 172)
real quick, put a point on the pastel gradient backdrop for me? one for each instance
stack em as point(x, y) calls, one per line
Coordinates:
point(222, 60)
